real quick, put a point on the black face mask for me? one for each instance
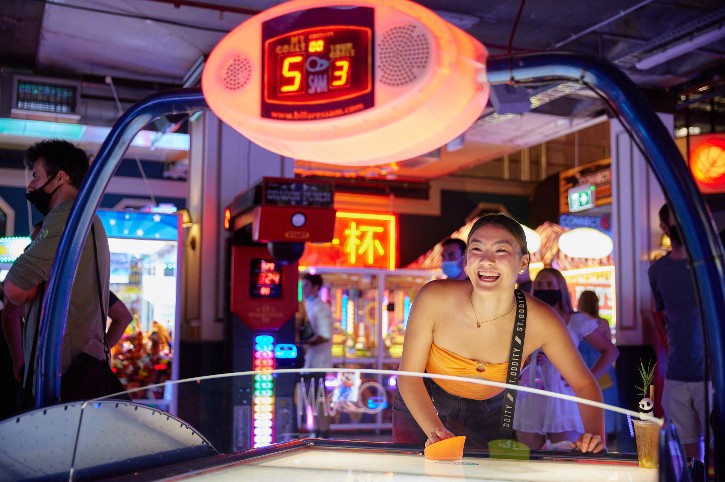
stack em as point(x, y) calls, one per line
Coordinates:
point(550, 297)
point(675, 237)
point(41, 199)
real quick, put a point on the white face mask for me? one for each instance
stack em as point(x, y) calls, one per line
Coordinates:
point(451, 269)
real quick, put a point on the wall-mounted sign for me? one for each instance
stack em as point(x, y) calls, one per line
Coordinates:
point(581, 198)
point(361, 240)
point(597, 174)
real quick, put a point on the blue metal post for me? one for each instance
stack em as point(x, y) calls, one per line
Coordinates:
point(658, 147)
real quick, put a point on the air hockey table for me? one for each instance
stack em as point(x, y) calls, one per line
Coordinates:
point(322, 460)
point(121, 440)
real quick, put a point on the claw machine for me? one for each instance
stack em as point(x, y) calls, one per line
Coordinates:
point(145, 276)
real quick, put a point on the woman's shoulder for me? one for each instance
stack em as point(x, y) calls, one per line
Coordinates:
point(442, 291)
point(583, 323)
point(446, 286)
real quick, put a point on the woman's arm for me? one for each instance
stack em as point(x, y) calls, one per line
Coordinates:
point(558, 346)
point(608, 353)
point(416, 348)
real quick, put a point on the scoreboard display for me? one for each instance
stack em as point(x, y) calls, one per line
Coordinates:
point(320, 70)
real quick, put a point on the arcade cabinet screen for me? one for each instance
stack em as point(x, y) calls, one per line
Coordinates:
point(265, 278)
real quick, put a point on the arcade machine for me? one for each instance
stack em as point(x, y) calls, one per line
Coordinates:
point(269, 224)
point(10, 248)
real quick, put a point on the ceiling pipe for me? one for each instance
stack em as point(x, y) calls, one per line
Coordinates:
point(601, 24)
point(694, 42)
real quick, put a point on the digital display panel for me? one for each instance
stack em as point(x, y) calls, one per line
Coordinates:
point(265, 279)
point(318, 63)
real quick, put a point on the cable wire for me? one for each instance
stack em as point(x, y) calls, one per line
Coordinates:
point(109, 81)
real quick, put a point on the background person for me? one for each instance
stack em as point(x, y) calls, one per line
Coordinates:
point(589, 303)
point(541, 417)
point(453, 258)
point(466, 329)
point(58, 168)
point(673, 289)
point(318, 352)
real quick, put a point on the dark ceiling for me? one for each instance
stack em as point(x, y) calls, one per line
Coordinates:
point(128, 49)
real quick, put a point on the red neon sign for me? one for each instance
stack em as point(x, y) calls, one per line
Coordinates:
point(361, 240)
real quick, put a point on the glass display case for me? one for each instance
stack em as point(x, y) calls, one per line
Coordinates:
point(370, 309)
point(144, 274)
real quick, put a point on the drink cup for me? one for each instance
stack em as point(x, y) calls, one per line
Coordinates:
point(647, 435)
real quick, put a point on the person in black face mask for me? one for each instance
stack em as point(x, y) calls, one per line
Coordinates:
point(547, 418)
point(58, 168)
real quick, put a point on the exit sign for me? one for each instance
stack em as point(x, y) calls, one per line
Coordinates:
point(581, 198)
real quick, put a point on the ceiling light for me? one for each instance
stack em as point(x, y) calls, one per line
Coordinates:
point(585, 243)
point(533, 240)
point(693, 43)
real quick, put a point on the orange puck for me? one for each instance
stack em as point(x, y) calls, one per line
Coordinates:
point(447, 449)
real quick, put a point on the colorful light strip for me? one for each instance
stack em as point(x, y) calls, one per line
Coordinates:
point(406, 310)
point(263, 397)
point(343, 312)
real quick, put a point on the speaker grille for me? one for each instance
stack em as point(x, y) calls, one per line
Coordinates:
point(404, 55)
point(236, 72)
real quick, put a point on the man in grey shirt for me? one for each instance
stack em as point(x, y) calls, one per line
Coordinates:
point(58, 168)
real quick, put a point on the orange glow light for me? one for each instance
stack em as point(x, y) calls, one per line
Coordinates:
point(349, 87)
point(361, 240)
point(227, 218)
point(707, 163)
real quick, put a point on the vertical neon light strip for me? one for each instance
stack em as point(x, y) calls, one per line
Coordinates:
point(263, 398)
point(385, 322)
point(406, 310)
point(343, 312)
point(338, 304)
point(351, 317)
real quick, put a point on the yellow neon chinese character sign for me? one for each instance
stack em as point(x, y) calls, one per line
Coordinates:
point(361, 240)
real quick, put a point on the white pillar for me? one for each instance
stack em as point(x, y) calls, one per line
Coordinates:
point(637, 198)
point(222, 164)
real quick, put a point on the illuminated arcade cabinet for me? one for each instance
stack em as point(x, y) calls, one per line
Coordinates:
point(269, 225)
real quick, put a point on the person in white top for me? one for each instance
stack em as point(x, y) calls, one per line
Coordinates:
point(318, 350)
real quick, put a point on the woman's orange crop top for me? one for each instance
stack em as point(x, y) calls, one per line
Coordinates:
point(444, 362)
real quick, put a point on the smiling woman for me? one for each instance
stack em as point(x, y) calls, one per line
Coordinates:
point(484, 341)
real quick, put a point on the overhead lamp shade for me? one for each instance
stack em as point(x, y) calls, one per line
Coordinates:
point(350, 83)
point(585, 243)
point(533, 240)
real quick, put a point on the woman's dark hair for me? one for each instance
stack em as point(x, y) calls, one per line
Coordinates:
point(504, 222)
point(60, 155)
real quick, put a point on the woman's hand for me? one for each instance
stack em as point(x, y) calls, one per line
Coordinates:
point(589, 443)
point(440, 433)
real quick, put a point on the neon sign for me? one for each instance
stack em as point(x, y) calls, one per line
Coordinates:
point(360, 240)
point(263, 398)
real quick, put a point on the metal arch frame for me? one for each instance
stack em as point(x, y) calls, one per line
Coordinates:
point(625, 98)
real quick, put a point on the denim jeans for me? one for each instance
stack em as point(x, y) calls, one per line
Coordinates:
point(478, 420)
